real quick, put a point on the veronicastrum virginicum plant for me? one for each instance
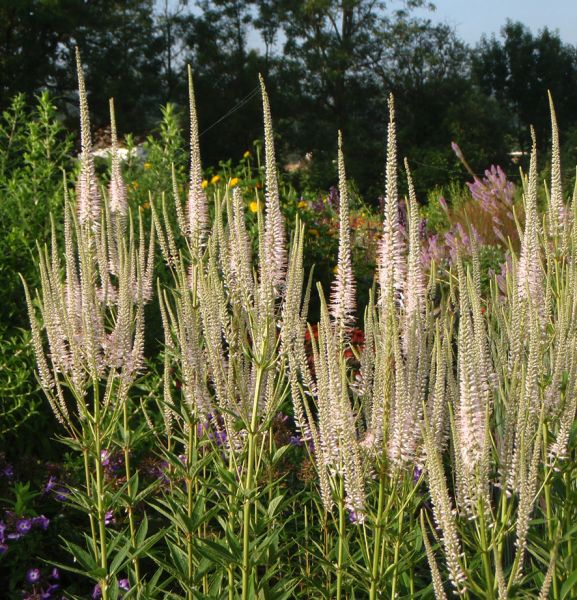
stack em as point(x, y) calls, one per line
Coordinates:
point(475, 397)
point(221, 330)
point(511, 413)
point(365, 424)
point(89, 343)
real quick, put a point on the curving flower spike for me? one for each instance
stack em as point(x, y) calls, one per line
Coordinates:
point(197, 210)
point(342, 306)
point(529, 276)
point(556, 208)
point(415, 301)
point(391, 251)
point(117, 188)
point(88, 195)
point(274, 232)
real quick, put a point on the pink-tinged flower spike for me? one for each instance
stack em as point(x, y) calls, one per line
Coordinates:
point(391, 252)
point(415, 301)
point(473, 406)
point(529, 268)
point(117, 187)
point(556, 208)
point(88, 195)
point(444, 513)
point(434, 568)
point(274, 232)
point(197, 211)
point(342, 307)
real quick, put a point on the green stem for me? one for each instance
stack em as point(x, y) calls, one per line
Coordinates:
point(249, 486)
point(89, 492)
point(341, 546)
point(549, 515)
point(230, 567)
point(396, 555)
point(100, 491)
point(126, 444)
point(189, 510)
point(485, 553)
point(378, 535)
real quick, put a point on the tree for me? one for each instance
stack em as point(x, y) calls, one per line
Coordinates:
point(30, 34)
point(518, 71)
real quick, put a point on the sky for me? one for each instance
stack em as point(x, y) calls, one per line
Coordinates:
point(473, 18)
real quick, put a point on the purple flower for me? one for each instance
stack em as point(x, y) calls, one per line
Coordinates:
point(109, 518)
point(50, 484)
point(281, 417)
point(2, 530)
point(353, 518)
point(104, 457)
point(23, 526)
point(54, 574)
point(417, 472)
point(202, 428)
point(8, 471)
point(48, 593)
point(96, 592)
point(61, 494)
point(3, 549)
point(124, 584)
point(41, 521)
point(33, 575)
point(295, 440)
point(220, 437)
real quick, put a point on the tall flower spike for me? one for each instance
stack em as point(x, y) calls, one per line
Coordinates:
point(415, 302)
point(342, 306)
point(274, 232)
point(529, 282)
point(197, 212)
point(88, 195)
point(117, 188)
point(391, 259)
point(556, 209)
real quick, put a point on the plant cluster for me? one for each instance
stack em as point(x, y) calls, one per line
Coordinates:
point(422, 450)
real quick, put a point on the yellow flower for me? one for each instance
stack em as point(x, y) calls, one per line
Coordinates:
point(302, 204)
point(215, 179)
point(336, 269)
point(135, 185)
point(204, 184)
point(246, 154)
point(147, 165)
point(253, 206)
point(144, 206)
point(233, 182)
point(314, 232)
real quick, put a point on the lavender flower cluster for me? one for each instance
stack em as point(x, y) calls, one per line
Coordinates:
point(42, 587)
point(14, 528)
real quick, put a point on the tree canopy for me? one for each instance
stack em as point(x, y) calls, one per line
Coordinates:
point(329, 65)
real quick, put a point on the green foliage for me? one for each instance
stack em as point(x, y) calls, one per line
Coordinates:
point(34, 148)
